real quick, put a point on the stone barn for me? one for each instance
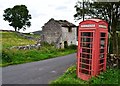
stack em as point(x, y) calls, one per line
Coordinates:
point(60, 32)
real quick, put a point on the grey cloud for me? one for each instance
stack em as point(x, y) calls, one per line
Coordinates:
point(61, 8)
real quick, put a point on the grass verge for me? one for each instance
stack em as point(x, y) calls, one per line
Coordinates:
point(11, 57)
point(110, 77)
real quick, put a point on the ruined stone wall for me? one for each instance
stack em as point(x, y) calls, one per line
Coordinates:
point(70, 37)
point(51, 32)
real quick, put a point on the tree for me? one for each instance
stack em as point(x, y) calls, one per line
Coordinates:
point(18, 17)
point(82, 9)
point(109, 11)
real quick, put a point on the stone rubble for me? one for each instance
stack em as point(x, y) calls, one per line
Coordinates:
point(112, 61)
point(27, 47)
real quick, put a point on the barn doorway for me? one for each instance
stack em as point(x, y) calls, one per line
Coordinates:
point(65, 44)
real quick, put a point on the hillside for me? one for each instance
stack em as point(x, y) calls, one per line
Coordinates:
point(37, 32)
point(10, 39)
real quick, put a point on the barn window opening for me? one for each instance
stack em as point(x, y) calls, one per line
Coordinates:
point(69, 29)
point(60, 45)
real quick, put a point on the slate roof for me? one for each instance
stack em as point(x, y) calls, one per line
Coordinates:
point(65, 23)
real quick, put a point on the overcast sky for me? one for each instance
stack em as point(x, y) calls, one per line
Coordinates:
point(41, 11)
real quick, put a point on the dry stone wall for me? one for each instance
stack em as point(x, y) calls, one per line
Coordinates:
point(27, 47)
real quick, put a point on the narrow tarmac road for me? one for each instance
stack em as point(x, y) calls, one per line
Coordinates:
point(40, 72)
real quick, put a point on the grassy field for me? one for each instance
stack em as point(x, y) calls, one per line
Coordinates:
point(10, 39)
point(110, 77)
point(13, 56)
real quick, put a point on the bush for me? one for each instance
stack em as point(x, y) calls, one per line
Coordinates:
point(6, 57)
point(46, 44)
point(72, 47)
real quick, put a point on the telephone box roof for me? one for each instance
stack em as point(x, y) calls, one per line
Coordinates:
point(97, 20)
point(94, 20)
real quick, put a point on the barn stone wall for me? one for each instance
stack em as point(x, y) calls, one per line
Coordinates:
point(70, 37)
point(51, 32)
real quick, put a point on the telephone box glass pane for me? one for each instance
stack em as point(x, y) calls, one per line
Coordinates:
point(85, 39)
point(85, 71)
point(87, 45)
point(101, 50)
point(101, 55)
point(102, 42)
point(86, 50)
point(101, 61)
point(102, 34)
point(87, 34)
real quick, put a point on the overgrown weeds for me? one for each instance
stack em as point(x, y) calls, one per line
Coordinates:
point(110, 76)
point(13, 56)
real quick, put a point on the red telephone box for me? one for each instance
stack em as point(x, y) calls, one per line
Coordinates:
point(92, 48)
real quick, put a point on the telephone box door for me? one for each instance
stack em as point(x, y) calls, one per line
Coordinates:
point(86, 54)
